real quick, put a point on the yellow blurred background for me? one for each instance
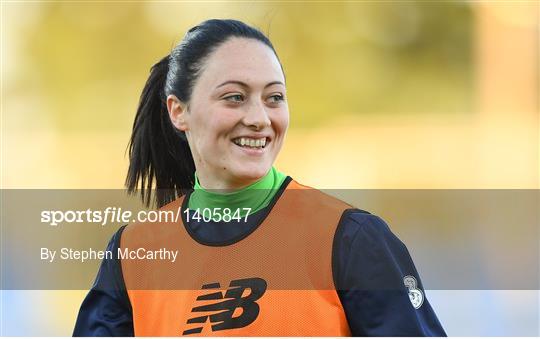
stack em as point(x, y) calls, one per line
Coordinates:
point(382, 95)
point(398, 94)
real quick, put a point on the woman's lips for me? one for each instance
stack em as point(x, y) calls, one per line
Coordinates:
point(252, 140)
point(251, 150)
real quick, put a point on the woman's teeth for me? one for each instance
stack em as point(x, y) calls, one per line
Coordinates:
point(255, 143)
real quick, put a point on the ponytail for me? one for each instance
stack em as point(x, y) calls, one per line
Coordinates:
point(157, 150)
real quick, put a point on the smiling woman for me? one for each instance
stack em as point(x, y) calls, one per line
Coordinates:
point(237, 115)
point(280, 258)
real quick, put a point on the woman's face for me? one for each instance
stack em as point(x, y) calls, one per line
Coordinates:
point(237, 116)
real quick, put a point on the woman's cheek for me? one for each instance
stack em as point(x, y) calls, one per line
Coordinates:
point(282, 123)
point(225, 119)
point(231, 117)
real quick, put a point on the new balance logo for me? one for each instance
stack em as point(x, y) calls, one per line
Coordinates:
point(223, 318)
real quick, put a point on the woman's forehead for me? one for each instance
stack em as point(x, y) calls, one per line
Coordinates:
point(245, 60)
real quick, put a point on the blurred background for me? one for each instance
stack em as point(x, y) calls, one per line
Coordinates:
point(393, 95)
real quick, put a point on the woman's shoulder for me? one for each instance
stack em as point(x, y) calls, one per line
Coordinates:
point(368, 253)
point(357, 224)
point(314, 198)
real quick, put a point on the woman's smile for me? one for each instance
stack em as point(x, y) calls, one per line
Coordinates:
point(251, 145)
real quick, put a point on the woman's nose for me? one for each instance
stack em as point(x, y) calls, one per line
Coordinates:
point(257, 115)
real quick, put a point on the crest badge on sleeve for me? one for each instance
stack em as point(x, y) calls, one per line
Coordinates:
point(415, 294)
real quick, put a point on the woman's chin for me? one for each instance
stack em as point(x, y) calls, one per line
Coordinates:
point(251, 173)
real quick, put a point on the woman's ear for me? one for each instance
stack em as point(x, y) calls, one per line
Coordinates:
point(177, 112)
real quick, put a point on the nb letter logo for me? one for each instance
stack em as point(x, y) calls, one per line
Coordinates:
point(225, 306)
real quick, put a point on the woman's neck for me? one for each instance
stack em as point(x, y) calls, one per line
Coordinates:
point(254, 197)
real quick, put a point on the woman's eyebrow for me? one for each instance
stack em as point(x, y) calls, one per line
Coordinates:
point(243, 84)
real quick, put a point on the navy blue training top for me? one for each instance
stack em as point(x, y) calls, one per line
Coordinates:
point(375, 278)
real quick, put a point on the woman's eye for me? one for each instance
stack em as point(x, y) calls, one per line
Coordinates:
point(235, 98)
point(277, 98)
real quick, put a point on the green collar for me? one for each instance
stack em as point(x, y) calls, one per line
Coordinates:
point(255, 196)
